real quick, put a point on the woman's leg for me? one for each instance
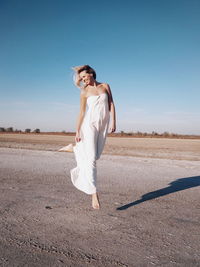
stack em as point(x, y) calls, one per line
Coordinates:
point(68, 148)
point(95, 201)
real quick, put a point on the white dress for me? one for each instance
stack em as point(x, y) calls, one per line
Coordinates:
point(93, 134)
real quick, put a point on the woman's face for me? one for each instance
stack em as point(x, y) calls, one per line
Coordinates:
point(86, 77)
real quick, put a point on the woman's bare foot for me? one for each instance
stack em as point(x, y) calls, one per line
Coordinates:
point(68, 148)
point(95, 201)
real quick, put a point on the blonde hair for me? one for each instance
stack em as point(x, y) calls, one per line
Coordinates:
point(78, 70)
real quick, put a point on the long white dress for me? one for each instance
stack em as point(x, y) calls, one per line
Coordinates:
point(93, 134)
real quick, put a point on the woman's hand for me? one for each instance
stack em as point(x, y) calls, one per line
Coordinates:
point(113, 128)
point(77, 137)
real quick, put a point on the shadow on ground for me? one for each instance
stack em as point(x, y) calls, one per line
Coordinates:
point(175, 186)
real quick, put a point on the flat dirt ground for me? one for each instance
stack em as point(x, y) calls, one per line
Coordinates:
point(188, 149)
point(149, 193)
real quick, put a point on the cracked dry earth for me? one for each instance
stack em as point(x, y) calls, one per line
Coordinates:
point(149, 212)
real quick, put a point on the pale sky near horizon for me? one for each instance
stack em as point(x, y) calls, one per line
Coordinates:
point(146, 50)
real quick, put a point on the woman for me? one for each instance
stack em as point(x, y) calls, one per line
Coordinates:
point(92, 128)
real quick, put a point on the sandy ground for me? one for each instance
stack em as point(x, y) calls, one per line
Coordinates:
point(149, 212)
point(181, 149)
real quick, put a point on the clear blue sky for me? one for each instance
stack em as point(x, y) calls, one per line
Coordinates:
point(148, 51)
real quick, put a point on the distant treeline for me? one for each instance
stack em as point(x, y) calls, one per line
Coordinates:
point(154, 134)
point(116, 134)
point(11, 130)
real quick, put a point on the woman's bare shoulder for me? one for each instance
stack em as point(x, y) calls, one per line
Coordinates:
point(106, 86)
point(108, 90)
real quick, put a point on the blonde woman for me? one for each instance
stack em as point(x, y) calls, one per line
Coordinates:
point(96, 104)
